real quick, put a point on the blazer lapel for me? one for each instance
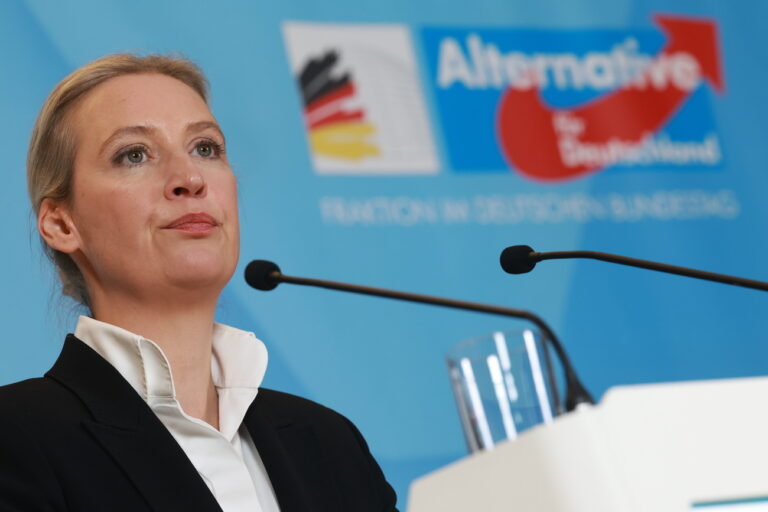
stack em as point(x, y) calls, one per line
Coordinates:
point(283, 474)
point(131, 433)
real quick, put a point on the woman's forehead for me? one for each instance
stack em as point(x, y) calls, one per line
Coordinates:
point(155, 100)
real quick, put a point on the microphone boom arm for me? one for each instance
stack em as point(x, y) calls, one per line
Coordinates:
point(576, 393)
point(651, 265)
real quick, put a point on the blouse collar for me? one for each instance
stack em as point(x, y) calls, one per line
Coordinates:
point(238, 365)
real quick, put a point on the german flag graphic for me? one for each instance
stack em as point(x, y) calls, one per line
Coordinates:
point(334, 131)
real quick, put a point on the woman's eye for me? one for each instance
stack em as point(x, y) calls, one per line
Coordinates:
point(135, 156)
point(207, 149)
point(132, 156)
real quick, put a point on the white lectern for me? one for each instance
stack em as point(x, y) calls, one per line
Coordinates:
point(650, 448)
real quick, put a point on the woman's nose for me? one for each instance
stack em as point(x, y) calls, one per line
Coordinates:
point(185, 180)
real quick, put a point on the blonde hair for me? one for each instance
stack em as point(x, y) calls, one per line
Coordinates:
point(52, 148)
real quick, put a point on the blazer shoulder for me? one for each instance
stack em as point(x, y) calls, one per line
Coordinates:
point(333, 427)
point(28, 391)
point(39, 404)
point(292, 407)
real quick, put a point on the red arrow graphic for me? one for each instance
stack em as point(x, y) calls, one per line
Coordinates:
point(539, 141)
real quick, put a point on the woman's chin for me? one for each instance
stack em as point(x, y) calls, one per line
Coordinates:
point(201, 273)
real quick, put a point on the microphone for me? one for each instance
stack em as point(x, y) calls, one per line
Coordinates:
point(519, 259)
point(265, 275)
point(259, 274)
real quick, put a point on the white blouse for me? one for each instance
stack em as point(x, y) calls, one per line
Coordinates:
point(226, 459)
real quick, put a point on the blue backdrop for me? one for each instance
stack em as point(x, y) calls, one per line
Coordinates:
point(377, 154)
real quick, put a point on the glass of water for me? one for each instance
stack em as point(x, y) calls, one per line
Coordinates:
point(503, 384)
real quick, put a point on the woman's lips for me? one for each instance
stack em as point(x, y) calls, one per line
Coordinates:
point(194, 223)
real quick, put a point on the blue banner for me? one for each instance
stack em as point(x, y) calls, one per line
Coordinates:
point(404, 145)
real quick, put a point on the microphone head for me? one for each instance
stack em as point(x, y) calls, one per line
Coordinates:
point(517, 259)
point(258, 274)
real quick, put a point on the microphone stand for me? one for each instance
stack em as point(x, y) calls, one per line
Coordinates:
point(266, 275)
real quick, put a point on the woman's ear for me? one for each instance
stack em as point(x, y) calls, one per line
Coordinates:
point(56, 227)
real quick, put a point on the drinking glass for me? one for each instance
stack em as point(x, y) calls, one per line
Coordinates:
point(503, 385)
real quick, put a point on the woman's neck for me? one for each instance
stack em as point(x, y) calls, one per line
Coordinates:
point(184, 331)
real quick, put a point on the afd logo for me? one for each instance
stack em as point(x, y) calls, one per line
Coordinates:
point(557, 105)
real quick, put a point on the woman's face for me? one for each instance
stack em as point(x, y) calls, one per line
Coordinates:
point(154, 201)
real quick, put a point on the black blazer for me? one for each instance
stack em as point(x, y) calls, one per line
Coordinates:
point(81, 439)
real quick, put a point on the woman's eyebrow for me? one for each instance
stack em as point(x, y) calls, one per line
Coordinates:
point(127, 130)
point(203, 125)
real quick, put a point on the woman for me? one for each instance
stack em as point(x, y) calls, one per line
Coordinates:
point(151, 404)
